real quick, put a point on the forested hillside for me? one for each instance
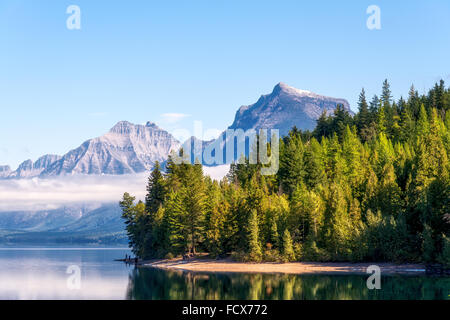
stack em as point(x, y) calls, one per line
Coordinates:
point(373, 187)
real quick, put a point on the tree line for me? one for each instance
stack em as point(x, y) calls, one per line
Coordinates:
point(370, 187)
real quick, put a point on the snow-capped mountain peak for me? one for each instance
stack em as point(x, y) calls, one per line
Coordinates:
point(284, 108)
point(291, 90)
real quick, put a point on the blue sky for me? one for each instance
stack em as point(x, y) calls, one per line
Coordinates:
point(138, 60)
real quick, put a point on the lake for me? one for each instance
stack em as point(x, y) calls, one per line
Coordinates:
point(42, 273)
point(51, 273)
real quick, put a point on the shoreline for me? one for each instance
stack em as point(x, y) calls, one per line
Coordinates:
point(229, 266)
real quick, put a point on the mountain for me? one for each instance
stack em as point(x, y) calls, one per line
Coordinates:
point(285, 108)
point(74, 225)
point(28, 168)
point(126, 148)
point(107, 217)
point(73, 218)
point(43, 220)
point(282, 109)
point(196, 146)
point(5, 171)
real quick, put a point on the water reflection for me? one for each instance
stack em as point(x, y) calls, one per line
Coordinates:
point(155, 284)
point(41, 273)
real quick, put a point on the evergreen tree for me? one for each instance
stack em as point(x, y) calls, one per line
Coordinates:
point(274, 236)
point(177, 224)
point(214, 219)
point(194, 203)
point(340, 121)
point(386, 95)
point(291, 164)
point(363, 119)
point(374, 104)
point(323, 127)
point(381, 120)
point(406, 131)
point(314, 171)
point(288, 250)
point(155, 190)
point(128, 213)
point(299, 218)
point(137, 228)
point(253, 245)
point(338, 225)
point(423, 126)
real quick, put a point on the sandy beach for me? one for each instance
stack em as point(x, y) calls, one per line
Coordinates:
point(210, 265)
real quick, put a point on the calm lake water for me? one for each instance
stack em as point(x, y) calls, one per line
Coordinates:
point(42, 274)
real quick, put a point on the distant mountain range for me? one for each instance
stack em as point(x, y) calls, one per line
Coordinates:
point(73, 225)
point(132, 148)
point(126, 148)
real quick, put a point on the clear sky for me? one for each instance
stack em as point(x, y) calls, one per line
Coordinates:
point(139, 60)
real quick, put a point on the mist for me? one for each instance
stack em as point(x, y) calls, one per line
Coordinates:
point(47, 194)
point(39, 194)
